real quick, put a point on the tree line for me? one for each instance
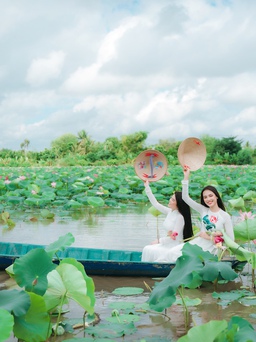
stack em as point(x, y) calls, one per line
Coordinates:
point(81, 149)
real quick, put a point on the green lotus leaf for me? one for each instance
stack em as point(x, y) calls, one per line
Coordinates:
point(34, 325)
point(2, 185)
point(123, 319)
point(152, 210)
point(63, 192)
point(167, 191)
point(34, 201)
point(213, 182)
point(162, 182)
point(241, 253)
point(96, 201)
point(237, 203)
point(59, 202)
point(128, 291)
point(139, 198)
point(31, 269)
point(6, 324)
point(83, 200)
point(188, 301)
point(73, 204)
point(241, 191)
point(248, 301)
point(5, 216)
point(245, 230)
point(78, 185)
point(111, 331)
point(11, 186)
point(60, 245)
point(111, 203)
point(10, 223)
point(228, 297)
point(206, 332)
point(160, 196)
point(34, 187)
point(49, 195)
point(9, 270)
point(133, 183)
point(15, 199)
point(64, 283)
point(218, 270)
point(121, 305)
point(124, 191)
point(89, 281)
point(45, 213)
point(186, 272)
point(14, 301)
point(121, 196)
point(250, 195)
point(91, 192)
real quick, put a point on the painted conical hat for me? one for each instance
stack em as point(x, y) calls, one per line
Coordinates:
point(150, 165)
point(192, 153)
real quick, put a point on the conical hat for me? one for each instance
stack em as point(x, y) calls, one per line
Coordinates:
point(150, 165)
point(192, 153)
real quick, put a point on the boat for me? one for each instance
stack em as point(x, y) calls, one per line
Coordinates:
point(103, 262)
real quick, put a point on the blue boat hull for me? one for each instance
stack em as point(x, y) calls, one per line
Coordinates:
point(95, 261)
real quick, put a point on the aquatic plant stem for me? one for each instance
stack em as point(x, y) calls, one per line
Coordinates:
point(185, 308)
point(157, 230)
point(190, 238)
point(59, 314)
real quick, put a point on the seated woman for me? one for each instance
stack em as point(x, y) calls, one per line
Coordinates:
point(177, 224)
point(214, 218)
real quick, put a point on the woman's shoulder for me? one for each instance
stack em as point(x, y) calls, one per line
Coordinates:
point(174, 213)
point(224, 214)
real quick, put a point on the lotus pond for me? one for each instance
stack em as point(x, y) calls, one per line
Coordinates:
point(106, 207)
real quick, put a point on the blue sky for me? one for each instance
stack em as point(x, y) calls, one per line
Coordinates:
point(172, 68)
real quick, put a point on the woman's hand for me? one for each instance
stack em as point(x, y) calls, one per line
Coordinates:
point(217, 233)
point(146, 183)
point(172, 235)
point(204, 235)
point(155, 242)
point(186, 172)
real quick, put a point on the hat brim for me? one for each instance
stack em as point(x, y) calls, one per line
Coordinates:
point(192, 153)
point(150, 165)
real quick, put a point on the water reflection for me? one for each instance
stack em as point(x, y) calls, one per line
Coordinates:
point(117, 228)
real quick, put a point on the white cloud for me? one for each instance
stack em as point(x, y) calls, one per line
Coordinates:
point(42, 70)
point(171, 68)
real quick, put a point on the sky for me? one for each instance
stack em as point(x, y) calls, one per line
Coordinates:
point(172, 68)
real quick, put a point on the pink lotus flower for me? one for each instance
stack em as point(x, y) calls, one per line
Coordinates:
point(218, 239)
point(22, 177)
point(53, 184)
point(33, 192)
point(246, 216)
point(7, 181)
point(174, 235)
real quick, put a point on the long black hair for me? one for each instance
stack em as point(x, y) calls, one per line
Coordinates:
point(184, 209)
point(216, 193)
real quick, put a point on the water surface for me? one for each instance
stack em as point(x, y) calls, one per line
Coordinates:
point(130, 228)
